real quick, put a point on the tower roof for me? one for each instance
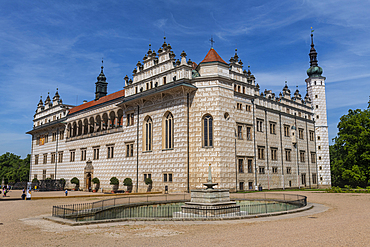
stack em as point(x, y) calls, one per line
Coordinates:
point(212, 56)
point(315, 70)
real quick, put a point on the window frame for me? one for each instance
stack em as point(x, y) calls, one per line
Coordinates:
point(168, 131)
point(207, 131)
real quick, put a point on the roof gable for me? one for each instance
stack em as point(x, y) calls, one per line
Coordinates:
point(212, 56)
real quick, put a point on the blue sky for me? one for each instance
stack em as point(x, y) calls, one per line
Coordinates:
point(50, 44)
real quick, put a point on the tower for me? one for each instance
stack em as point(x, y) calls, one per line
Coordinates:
point(101, 84)
point(316, 91)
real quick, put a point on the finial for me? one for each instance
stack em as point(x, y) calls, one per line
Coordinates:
point(286, 83)
point(150, 46)
point(212, 42)
point(57, 89)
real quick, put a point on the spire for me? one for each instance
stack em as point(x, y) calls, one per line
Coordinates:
point(40, 104)
point(101, 84)
point(56, 96)
point(313, 54)
point(314, 70)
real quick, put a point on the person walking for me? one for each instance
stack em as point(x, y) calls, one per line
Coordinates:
point(66, 192)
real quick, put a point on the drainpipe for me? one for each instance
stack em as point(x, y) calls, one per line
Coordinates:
point(30, 175)
point(254, 147)
point(317, 172)
point(282, 153)
point(308, 158)
point(236, 169)
point(296, 129)
point(267, 154)
point(188, 178)
point(137, 151)
point(56, 156)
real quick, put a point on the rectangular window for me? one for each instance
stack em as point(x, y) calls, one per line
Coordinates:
point(129, 150)
point(287, 154)
point(54, 137)
point(301, 156)
point(274, 153)
point(272, 128)
point(300, 134)
point(60, 157)
point(240, 165)
point(262, 170)
point(43, 174)
point(110, 152)
point(52, 176)
point(249, 135)
point(261, 153)
point(250, 167)
point(72, 155)
point(303, 175)
point(46, 138)
point(61, 135)
point(312, 135)
point(35, 176)
point(260, 125)
point(52, 157)
point(37, 140)
point(130, 119)
point(248, 108)
point(274, 170)
point(45, 160)
point(83, 154)
point(167, 177)
point(288, 170)
point(164, 80)
point(96, 153)
point(286, 130)
point(241, 185)
point(240, 132)
point(36, 159)
point(313, 157)
point(314, 178)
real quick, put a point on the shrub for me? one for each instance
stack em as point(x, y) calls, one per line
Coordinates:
point(148, 181)
point(114, 181)
point(75, 181)
point(35, 180)
point(127, 182)
point(95, 180)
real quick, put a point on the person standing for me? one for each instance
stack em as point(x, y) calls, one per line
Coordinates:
point(23, 196)
point(66, 192)
point(28, 195)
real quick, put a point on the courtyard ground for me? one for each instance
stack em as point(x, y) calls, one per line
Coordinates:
point(336, 220)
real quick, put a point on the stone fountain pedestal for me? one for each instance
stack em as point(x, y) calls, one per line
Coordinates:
point(209, 202)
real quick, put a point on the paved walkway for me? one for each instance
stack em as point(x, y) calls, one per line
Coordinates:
point(336, 220)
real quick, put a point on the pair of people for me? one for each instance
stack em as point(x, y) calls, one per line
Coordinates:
point(27, 195)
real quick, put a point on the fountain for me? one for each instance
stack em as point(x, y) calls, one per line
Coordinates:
point(209, 202)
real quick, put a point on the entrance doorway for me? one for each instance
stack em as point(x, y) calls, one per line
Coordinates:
point(88, 175)
point(88, 182)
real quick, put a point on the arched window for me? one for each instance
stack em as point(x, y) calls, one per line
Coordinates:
point(167, 131)
point(148, 134)
point(207, 131)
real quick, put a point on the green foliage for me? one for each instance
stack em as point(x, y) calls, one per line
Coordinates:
point(95, 180)
point(350, 155)
point(148, 181)
point(13, 168)
point(63, 181)
point(75, 181)
point(127, 182)
point(35, 180)
point(114, 181)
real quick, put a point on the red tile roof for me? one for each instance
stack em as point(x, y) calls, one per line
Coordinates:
point(92, 103)
point(212, 56)
point(194, 65)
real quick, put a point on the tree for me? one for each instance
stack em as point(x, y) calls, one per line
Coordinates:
point(13, 168)
point(350, 155)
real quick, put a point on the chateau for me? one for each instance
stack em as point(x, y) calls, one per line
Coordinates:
point(174, 117)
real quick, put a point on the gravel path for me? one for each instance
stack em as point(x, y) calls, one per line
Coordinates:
point(344, 221)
